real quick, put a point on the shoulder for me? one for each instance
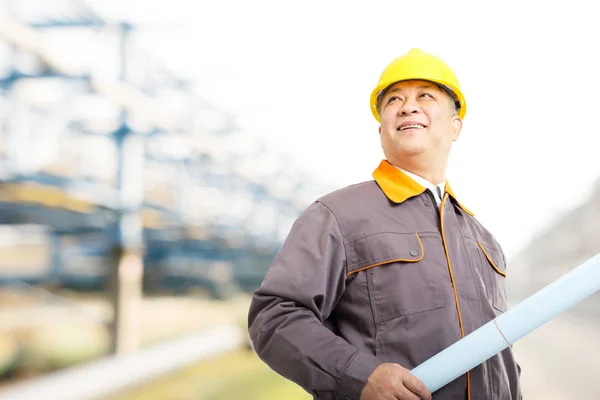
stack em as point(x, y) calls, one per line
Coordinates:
point(353, 197)
point(337, 209)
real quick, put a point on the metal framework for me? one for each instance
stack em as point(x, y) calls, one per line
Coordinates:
point(89, 149)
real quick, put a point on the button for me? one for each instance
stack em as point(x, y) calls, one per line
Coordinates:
point(413, 253)
point(427, 202)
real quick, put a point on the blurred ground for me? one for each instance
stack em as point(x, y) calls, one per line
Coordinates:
point(237, 375)
point(559, 360)
point(40, 332)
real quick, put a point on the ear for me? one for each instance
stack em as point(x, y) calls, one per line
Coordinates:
point(379, 130)
point(456, 127)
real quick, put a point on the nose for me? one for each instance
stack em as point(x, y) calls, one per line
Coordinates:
point(409, 106)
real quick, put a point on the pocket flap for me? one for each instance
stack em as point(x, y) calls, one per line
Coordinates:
point(384, 248)
point(494, 258)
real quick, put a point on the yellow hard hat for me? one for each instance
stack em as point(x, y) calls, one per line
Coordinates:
point(417, 64)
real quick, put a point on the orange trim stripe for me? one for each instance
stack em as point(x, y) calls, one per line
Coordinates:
point(460, 322)
point(398, 187)
point(392, 261)
point(490, 260)
point(451, 193)
point(395, 184)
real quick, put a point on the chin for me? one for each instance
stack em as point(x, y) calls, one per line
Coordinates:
point(411, 150)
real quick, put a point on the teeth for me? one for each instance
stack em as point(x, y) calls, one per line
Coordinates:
point(411, 127)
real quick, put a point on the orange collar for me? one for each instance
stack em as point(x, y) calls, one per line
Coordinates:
point(399, 187)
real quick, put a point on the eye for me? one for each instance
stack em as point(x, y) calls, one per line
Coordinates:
point(426, 95)
point(392, 99)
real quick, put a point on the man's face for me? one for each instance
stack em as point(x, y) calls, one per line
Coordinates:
point(417, 118)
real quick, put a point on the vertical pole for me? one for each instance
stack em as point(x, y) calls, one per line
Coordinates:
point(127, 269)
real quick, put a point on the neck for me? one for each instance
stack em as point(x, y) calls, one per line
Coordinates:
point(434, 173)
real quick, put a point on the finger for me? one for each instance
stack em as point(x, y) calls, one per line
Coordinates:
point(403, 393)
point(417, 386)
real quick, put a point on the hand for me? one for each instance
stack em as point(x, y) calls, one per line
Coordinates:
point(394, 382)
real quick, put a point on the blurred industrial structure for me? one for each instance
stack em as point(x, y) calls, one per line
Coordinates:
point(116, 177)
point(98, 140)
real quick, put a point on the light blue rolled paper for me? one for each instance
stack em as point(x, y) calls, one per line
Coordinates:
point(498, 334)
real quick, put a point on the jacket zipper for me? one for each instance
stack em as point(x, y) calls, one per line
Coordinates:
point(441, 219)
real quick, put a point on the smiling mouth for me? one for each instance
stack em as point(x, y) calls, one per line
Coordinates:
point(414, 126)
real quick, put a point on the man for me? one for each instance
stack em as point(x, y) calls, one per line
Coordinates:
point(377, 277)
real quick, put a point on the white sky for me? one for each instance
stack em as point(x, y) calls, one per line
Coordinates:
point(300, 73)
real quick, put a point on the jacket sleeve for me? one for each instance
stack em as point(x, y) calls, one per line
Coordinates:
point(287, 313)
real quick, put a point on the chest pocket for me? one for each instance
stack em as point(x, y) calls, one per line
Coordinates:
point(496, 271)
point(400, 280)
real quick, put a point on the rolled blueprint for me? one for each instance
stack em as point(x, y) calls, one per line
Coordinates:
point(511, 326)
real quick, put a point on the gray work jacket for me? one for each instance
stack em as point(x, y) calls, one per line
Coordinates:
point(375, 273)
